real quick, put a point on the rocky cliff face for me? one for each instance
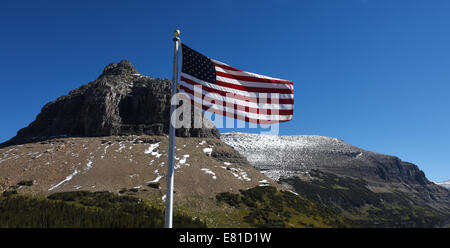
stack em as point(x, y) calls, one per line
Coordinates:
point(120, 102)
point(301, 153)
point(289, 156)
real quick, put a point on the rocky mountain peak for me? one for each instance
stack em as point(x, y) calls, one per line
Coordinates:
point(119, 102)
point(123, 67)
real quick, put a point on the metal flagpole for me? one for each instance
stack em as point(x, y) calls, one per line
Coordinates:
point(171, 154)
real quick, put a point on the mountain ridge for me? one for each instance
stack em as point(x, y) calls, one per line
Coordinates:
point(296, 155)
point(120, 101)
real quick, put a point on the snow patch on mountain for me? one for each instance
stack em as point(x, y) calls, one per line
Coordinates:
point(445, 184)
point(151, 150)
point(208, 171)
point(121, 147)
point(208, 151)
point(68, 178)
point(88, 165)
point(285, 156)
point(156, 179)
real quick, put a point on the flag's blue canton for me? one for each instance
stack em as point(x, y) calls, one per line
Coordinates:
point(198, 65)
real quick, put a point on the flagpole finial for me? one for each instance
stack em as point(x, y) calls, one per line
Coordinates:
point(176, 32)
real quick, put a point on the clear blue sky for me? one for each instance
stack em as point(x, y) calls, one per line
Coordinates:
point(375, 73)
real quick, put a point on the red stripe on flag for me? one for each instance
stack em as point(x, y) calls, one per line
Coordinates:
point(253, 79)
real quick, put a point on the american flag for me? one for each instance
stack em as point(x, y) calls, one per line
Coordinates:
point(235, 93)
